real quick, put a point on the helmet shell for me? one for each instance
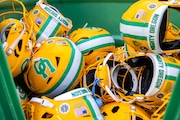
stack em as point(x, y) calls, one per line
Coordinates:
point(55, 67)
point(17, 44)
point(49, 22)
point(144, 25)
point(94, 43)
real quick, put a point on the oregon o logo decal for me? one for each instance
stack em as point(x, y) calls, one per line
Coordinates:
point(41, 65)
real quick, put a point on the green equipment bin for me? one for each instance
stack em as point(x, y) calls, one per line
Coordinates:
point(100, 13)
point(10, 108)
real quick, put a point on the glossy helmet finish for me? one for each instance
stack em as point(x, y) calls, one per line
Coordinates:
point(77, 104)
point(145, 27)
point(123, 111)
point(56, 67)
point(16, 43)
point(16, 35)
point(48, 21)
point(95, 43)
point(157, 77)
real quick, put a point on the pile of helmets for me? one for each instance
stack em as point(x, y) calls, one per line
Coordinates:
point(82, 74)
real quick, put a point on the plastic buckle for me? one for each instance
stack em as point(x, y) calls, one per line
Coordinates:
point(46, 103)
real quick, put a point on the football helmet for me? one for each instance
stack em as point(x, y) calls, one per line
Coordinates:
point(157, 76)
point(97, 79)
point(17, 44)
point(16, 35)
point(17, 10)
point(56, 66)
point(123, 111)
point(145, 26)
point(101, 77)
point(77, 104)
point(22, 97)
point(94, 42)
point(48, 21)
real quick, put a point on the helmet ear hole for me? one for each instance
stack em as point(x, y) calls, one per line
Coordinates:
point(104, 114)
point(57, 60)
point(115, 109)
point(64, 34)
point(20, 45)
point(47, 115)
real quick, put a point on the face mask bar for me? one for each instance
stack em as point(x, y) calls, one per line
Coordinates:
point(25, 20)
point(105, 74)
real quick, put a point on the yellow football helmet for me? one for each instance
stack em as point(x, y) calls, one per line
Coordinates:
point(145, 26)
point(48, 21)
point(77, 104)
point(97, 78)
point(102, 78)
point(16, 35)
point(56, 66)
point(17, 44)
point(157, 75)
point(123, 111)
point(95, 43)
point(16, 9)
point(22, 97)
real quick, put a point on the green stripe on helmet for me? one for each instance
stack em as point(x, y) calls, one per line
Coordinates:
point(168, 77)
point(91, 38)
point(44, 27)
point(134, 23)
point(65, 73)
point(55, 30)
point(135, 37)
point(90, 107)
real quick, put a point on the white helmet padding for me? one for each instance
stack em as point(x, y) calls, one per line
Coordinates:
point(157, 28)
point(131, 81)
point(153, 75)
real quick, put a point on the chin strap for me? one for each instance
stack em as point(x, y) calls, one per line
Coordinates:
point(17, 40)
point(43, 102)
point(4, 39)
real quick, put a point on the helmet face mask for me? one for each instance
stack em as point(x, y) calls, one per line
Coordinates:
point(16, 35)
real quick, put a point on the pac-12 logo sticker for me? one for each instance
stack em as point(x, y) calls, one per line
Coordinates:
point(64, 108)
point(41, 65)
